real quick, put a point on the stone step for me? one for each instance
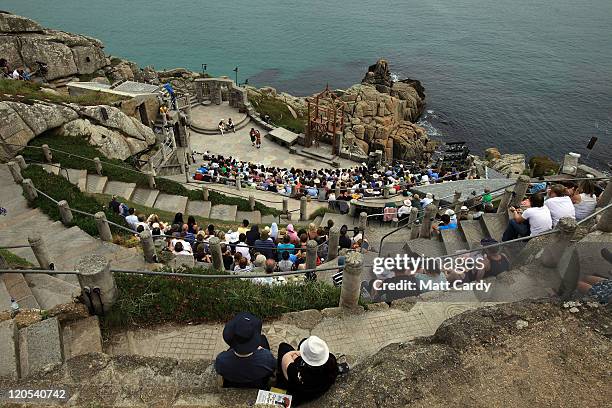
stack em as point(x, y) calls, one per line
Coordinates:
point(5, 297)
point(453, 241)
point(428, 247)
point(50, 291)
point(120, 189)
point(81, 337)
point(19, 290)
point(52, 168)
point(339, 220)
point(171, 203)
point(9, 350)
point(495, 224)
point(473, 232)
point(145, 196)
point(254, 217)
point(224, 212)
point(266, 219)
point(40, 345)
point(317, 221)
point(199, 208)
point(96, 184)
point(76, 176)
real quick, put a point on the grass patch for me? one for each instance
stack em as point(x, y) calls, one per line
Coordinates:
point(320, 212)
point(148, 300)
point(61, 189)
point(28, 92)
point(121, 171)
point(279, 112)
point(14, 261)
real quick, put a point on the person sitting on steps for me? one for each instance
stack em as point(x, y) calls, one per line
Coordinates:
point(248, 363)
point(230, 125)
point(533, 221)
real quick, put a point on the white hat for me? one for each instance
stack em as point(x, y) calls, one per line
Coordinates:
point(314, 351)
point(449, 212)
point(428, 195)
point(464, 208)
point(408, 203)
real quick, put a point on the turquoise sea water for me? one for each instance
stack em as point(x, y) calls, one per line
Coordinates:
point(526, 76)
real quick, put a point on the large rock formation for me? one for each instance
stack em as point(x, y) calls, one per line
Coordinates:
point(381, 115)
point(24, 42)
point(114, 133)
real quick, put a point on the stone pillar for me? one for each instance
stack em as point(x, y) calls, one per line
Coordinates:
point(47, 153)
point(430, 212)
point(15, 172)
point(239, 182)
point(103, 227)
point(363, 221)
point(605, 221)
point(338, 191)
point(321, 194)
point(252, 203)
point(303, 215)
point(505, 201)
point(386, 192)
point(606, 197)
point(217, 256)
point(292, 191)
point(97, 283)
point(148, 246)
point(285, 206)
point(351, 281)
point(570, 164)
point(311, 254)
point(98, 164)
point(65, 212)
point(151, 181)
point(333, 243)
point(395, 222)
point(28, 190)
point(40, 250)
point(415, 229)
point(520, 188)
point(561, 241)
point(205, 193)
point(21, 162)
point(457, 202)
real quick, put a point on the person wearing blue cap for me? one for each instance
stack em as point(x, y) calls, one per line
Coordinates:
point(248, 363)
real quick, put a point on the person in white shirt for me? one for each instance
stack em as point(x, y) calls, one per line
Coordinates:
point(584, 199)
point(404, 210)
point(131, 219)
point(427, 200)
point(532, 221)
point(559, 204)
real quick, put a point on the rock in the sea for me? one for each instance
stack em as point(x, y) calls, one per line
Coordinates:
point(512, 165)
point(492, 153)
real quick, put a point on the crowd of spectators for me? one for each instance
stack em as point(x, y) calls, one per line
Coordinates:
point(354, 182)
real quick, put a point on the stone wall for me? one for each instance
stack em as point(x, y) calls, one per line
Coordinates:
point(218, 90)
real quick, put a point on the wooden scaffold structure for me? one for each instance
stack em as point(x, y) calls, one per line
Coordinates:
point(325, 120)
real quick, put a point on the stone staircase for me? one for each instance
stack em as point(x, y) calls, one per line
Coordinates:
point(65, 247)
point(93, 183)
point(244, 122)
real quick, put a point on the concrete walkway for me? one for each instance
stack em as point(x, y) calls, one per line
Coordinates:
point(356, 336)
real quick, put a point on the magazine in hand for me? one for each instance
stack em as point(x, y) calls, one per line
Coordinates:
point(274, 399)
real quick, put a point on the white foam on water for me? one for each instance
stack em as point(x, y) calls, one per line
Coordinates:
point(395, 77)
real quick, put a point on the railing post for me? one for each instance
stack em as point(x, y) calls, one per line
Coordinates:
point(148, 246)
point(239, 182)
point(414, 229)
point(505, 201)
point(97, 282)
point(15, 172)
point(333, 243)
point(337, 190)
point(217, 256)
point(151, 181)
point(386, 192)
point(29, 190)
point(285, 206)
point(252, 202)
point(311, 254)
point(363, 221)
point(520, 188)
point(605, 221)
point(21, 162)
point(98, 165)
point(395, 222)
point(103, 227)
point(351, 281)
point(40, 250)
point(430, 212)
point(65, 212)
point(47, 153)
point(457, 202)
point(303, 205)
point(552, 252)
point(205, 193)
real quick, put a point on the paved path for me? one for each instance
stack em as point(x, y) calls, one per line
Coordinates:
point(209, 116)
point(356, 336)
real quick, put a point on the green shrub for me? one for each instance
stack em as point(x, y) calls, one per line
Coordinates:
point(14, 261)
point(543, 166)
point(28, 92)
point(145, 300)
point(279, 112)
point(61, 189)
point(320, 212)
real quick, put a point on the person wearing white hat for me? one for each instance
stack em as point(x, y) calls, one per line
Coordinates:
point(404, 210)
point(306, 373)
